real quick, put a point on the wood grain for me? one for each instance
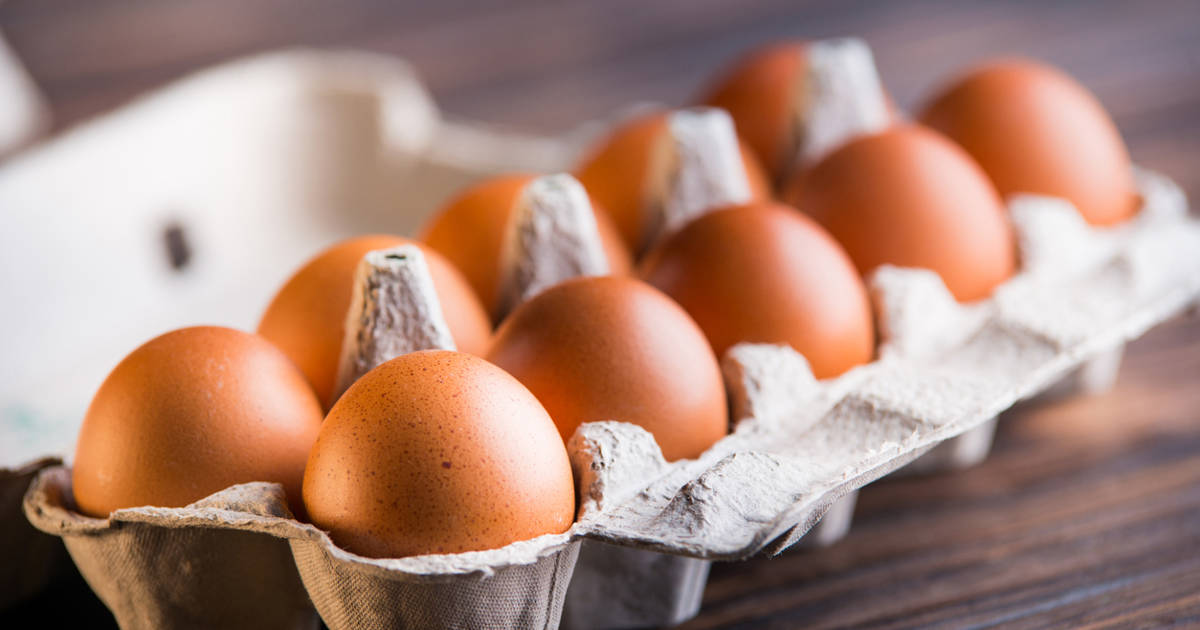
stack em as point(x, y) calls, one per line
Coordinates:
point(1087, 514)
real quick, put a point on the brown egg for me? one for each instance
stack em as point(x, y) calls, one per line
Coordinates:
point(470, 231)
point(306, 319)
point(191, 413)
point(606, 348)
point(617, 174)
point(909, 197)
point(1034, 129)
point(765, 273)
point(760, 92)
point(437, 452)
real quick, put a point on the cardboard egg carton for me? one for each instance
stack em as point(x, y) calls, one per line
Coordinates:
point(362, 134)
point(801, 449)
point(259, 162)
point(237, 559)
point(649, 528)
point(944, 370)
point(250, 564)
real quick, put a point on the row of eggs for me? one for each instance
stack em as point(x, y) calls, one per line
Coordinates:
point(441, 452)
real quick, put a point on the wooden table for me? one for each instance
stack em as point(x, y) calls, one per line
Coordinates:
point(1088, 511)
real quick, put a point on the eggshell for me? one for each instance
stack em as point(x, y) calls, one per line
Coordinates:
point(1034, 129)
point(470, 232)
point(607, 348)
point(617, 174)
point(765, 273)
point(437, 452)
point(307, 318)
point(190, 413)
point(910, 197)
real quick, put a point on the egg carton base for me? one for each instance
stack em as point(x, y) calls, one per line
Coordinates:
point(152, 576)
point(653, 589)
point(237, 559)
point(522, 596)
point(957, 453)
point(834, 525)
point(657, 589)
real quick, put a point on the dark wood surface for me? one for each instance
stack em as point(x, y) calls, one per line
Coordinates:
point(1088, 511)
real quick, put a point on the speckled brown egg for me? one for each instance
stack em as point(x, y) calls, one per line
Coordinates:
point(470, 231)
point(617, 173)
point(1034, 129)
point(437, 452)
point(191, 413)
point(764, 273)
point(307, 317)
point(910, 197)
point(606, 348)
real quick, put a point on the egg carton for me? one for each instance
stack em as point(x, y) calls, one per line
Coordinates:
point(803, 447)
point(237, 559)
point(930, 401)
point(945, 370)
point(800, 447)
point(252, 165)
point(250, 564)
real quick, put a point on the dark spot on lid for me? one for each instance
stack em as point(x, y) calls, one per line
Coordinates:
point(179, 251)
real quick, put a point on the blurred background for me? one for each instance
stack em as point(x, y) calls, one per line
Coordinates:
point(547, 66)
point(1088, 510)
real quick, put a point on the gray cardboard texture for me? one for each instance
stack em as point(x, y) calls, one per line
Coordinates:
point(351, 594)
point(230, 561)
point(217, 563)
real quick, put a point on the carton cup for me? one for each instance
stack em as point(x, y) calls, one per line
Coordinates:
point(237, 559)
point(219, 562)
point(522, 585)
